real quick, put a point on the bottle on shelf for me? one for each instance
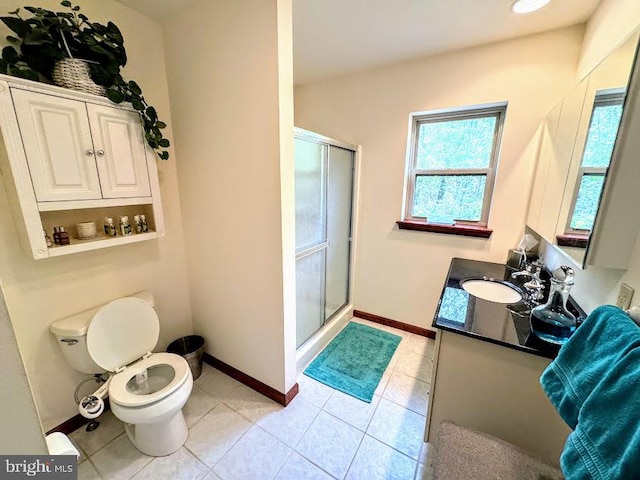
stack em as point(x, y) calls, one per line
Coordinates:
point(109, 228)
point(63, 237)
point(125, 227)
point(143, 222)
point(56, 235)
point(138, 223)
point(47, 239)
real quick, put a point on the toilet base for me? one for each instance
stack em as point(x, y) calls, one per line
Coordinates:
point(159, 439)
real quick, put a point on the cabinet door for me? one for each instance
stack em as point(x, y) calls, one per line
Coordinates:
point(120, 152)
point(57, 142)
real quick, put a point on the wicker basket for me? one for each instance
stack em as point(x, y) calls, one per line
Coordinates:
point(74, 74)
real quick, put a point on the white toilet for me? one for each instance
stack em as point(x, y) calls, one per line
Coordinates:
point(147, 390)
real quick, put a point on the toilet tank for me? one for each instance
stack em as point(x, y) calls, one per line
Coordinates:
point(71, 334)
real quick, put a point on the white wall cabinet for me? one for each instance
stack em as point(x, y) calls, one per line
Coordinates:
point(74, 157)
point(81, 151)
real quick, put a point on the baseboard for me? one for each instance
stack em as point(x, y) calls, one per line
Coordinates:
point(70, 426)
point(257, 385)
point(77, 421)
point(395, 324)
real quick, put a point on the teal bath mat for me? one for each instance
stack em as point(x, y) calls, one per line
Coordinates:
point(355, 360)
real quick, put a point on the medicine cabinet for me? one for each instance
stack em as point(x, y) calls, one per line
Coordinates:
point(583, 197)
point(73, 157)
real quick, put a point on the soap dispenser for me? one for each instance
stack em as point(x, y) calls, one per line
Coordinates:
point(552, 322)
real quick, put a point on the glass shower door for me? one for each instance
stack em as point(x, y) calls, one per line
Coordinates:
point(339, 195)
point(311, 237)
point(324, 179)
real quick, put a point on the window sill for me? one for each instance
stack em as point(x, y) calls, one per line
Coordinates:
point(576, 240)
point(464, 230)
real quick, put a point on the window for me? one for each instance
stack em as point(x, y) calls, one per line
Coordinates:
point(453, 159)
point(601, 138)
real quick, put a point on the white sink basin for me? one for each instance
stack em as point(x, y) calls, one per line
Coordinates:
point(491, 290)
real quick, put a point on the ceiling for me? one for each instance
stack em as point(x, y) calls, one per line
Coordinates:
point(334, 37)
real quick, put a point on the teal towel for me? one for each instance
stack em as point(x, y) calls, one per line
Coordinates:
point(594, 383)
point(606, 336)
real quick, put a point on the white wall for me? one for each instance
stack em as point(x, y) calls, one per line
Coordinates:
point(231, 97)
point(40, 292)
point(399, 274)
point(18, 414)
point(609, 25)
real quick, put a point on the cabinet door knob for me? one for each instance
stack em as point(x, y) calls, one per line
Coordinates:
point(100, 153)
point(89, 152)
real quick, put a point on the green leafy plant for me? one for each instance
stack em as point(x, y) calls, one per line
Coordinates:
point(46, 37)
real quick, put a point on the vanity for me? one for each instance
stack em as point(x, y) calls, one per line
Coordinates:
point(487, 365)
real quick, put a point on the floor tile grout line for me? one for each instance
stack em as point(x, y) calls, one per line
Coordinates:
point(88, 459)
point(283, 463)
point(295, 448)
point(109, 442)
point(189, 452)
point(394, 448)
point(404, 406)
point(314, 463)
point(231, 447)
point(355, 454)
point(347, 423)
point(201, 417)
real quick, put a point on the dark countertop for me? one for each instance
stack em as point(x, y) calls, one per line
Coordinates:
point(498, 323)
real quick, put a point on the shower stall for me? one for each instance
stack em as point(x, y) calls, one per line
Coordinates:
point(324, 188)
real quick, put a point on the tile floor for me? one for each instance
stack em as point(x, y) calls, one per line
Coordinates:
point(236, 433)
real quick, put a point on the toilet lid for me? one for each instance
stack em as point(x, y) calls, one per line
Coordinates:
point(121, 332)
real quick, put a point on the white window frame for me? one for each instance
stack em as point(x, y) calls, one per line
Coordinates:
point(497, 110)
point(602, 99)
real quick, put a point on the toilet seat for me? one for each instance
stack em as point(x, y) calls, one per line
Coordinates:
point(120, 390)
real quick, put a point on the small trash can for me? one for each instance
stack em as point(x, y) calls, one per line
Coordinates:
point(191, 349)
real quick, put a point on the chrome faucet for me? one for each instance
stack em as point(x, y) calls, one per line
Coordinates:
point(534, 287)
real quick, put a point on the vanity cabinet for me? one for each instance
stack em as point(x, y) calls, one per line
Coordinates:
point(487, 366)
point(72, 157)
point(495, 390)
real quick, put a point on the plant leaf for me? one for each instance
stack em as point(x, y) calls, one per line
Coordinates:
point(65, 3)
point(24, 73)
point(160, 124)
point(10, 54)
point(17, 25)
point(115, 95)
point(135, 88)
point(163, 155)
point(164, 143)
point(152, 114)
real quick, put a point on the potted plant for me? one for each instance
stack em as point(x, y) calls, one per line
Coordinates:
point(69, 50)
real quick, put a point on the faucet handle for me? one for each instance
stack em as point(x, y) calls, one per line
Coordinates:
point(534, 284)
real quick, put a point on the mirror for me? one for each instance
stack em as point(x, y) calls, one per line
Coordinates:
point(576, 146)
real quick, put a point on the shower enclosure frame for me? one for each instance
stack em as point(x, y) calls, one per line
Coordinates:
point(332, 325)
